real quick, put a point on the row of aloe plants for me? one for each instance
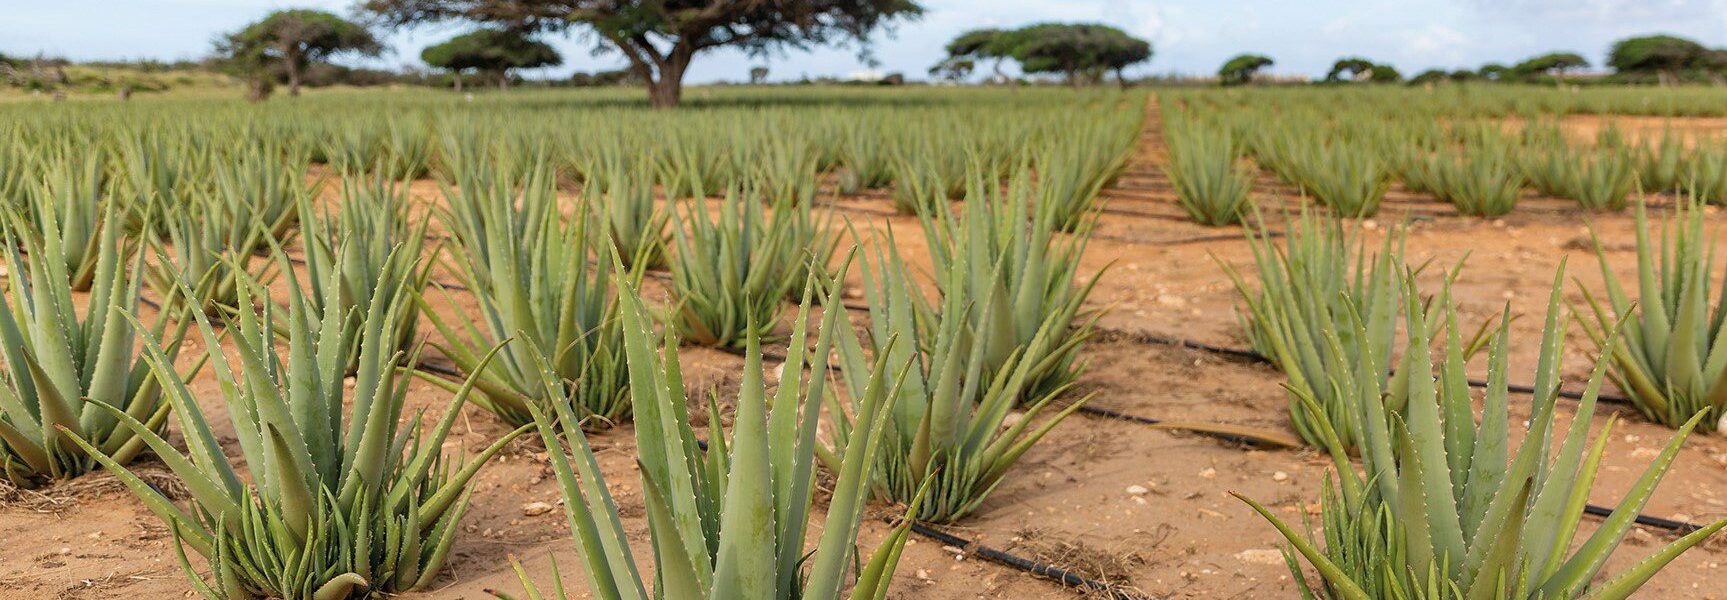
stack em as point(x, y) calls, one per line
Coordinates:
point(1326, 312)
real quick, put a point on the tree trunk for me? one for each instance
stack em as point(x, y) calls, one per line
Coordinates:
point(293, 67)
point(667, 90)
point(503, 81)
point(458, 84)
point(665, 93)
point(1121, 78)
point(257, 90)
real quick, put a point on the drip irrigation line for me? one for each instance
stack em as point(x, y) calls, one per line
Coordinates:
point(1008, 559)
point(1213, 430)
point(1019, 563)
point(1142, 214)
point(1641, 519)
point(1243, 353)
point(1222, 237)
point(437, 369)
point(1158, 340)
point(1592, 509)
point(862, 210)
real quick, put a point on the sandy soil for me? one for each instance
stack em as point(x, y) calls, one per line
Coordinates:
point(1067, 502)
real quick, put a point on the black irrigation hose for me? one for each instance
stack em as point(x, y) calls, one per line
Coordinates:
point(1600, 511)
point(1040, 569)
point(1142, 214)
point(1154, 339)
point(1084, 409)
point(1223, 237)
point(1657, 522)
point(1013, 561)
point(1243, 353)
point(437, 369)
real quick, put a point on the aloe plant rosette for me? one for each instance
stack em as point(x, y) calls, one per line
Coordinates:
point(339, 505)
point(728, 517)
point(1444, 509)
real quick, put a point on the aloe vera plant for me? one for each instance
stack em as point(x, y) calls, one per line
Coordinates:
point(1021, 276)
point(785, 168)
point(373, 240)
point(728, 517)
point(1673, 360)
point(1349, 178)
point(1444, 509)
point(621, 193)
point(1320, 278)
point(59, 366)
point(950, 423)
point(731, 271)
point(528, 268)
point(340, 506)
point(66, 202)
point(1602, 179)
point(159, 174)
point(197, 248)
point(1705, 176)
point(1661, 164)
point(1073, 169)
point(1210, 182)
point(866, 157)
point(256, 191)
point(1481, 181)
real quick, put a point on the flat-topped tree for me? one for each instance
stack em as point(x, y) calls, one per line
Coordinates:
point(1349, 67)
point(1552, 63)
point(659, 39)
point(1663, 55)
point(994, 45)
point(1241, 69)
point(1079, 51)
point(291, 41)
point(493, 52)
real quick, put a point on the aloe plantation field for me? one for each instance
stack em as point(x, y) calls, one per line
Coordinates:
point(1464, 341)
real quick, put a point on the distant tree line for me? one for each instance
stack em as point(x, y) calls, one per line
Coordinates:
point(1662, 59)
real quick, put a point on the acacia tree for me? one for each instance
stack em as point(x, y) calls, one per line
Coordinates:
point(1429, 76)
point(1241, 69)
point(1081, 52)
point(758, 75)
point(1554, 63)
point(659, 38)
point(994, 45)
point(492, 52)
point(1350, 66)
point(953, 69)
point(292, 40)
point(1663, 55)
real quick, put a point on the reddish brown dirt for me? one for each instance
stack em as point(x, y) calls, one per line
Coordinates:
point(1068, 500)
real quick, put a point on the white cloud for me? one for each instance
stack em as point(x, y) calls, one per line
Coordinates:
point(1437, 42)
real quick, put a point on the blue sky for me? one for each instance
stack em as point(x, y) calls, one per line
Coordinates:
point(1188, 36)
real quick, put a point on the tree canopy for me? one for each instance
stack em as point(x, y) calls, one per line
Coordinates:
point(1556, 63)
point(290, 41)
point(491, 51)
point(1241, 69)
point(1355, 68)
point(1081, 52)
point(1552, 63)
point(659, 38)
point(1664, 55)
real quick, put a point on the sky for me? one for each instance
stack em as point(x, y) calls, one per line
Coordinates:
point(1190, 37)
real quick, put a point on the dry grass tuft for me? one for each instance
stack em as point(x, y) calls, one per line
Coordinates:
point(1110, 566)
point(64, 495)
